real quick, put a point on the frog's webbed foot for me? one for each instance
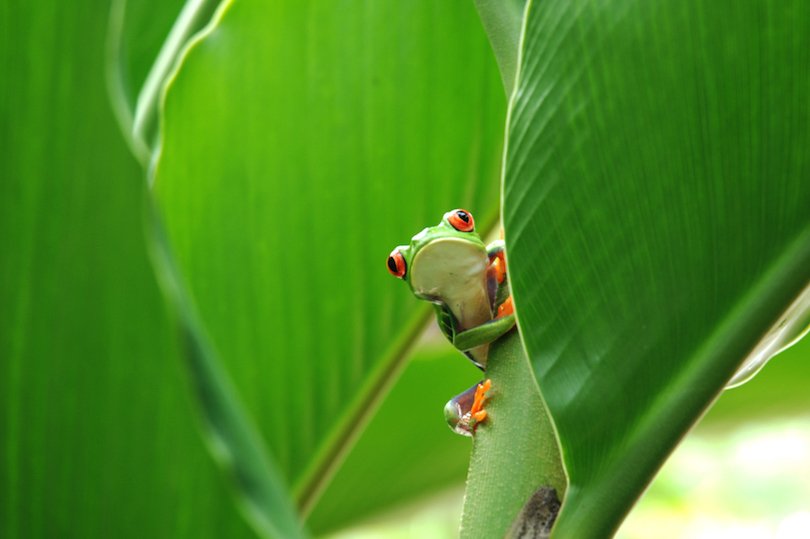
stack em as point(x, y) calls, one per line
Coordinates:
point(506, 308)
point(465, 411)
point(477, 412)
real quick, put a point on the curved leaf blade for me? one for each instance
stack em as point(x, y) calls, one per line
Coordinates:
point(777, 393)
point(503, 21)
point(656, 219)
point(97, 437)
point(136, 34)
point(300, 141)
point(144, 41)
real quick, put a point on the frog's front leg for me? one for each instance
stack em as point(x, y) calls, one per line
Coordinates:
point(486, 332)
point(465, 411)
point(499, 296)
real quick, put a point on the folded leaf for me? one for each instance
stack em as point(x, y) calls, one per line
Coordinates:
point(656, 215)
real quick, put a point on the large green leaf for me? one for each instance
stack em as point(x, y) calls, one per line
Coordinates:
point(301, 143)
point(657, 187)
point(97, 434)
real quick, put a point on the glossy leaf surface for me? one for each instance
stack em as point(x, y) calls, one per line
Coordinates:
point(656, 213)
point(302, 142)
point(98, 437)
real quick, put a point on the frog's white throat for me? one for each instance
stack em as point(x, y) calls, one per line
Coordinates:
point(453, 271)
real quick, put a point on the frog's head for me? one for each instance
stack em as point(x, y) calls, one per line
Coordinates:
point(442, 258)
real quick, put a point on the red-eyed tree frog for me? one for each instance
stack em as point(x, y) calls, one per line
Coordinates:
point(449, 266)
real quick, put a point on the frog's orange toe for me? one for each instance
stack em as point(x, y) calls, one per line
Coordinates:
point(480, 397)
point(497, 267)
point(506, 308)
point(477, 412)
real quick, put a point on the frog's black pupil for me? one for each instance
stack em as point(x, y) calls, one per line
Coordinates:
point(392, 265)
point(463, 216)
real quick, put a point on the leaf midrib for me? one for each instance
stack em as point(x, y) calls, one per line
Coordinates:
point(789, 267)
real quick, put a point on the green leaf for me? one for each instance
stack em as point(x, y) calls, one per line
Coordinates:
point(791, 326)
point(137, 32)
point(503, 22)
point(407, 450)
point(301, 143)
point(144, 43)
point(231, 436)
point(97, 435)
point(779, 391)
point(515, 452)
point(656, 215)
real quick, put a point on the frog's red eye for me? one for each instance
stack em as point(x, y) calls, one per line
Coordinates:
point(462, 220)
point(396, 264)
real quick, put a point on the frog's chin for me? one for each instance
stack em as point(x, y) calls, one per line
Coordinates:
point(432, 297)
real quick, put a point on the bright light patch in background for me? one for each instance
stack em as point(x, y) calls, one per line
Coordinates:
point(434, 518)
point(748, 483)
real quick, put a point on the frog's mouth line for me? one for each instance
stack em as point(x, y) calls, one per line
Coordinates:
point(432, 298)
